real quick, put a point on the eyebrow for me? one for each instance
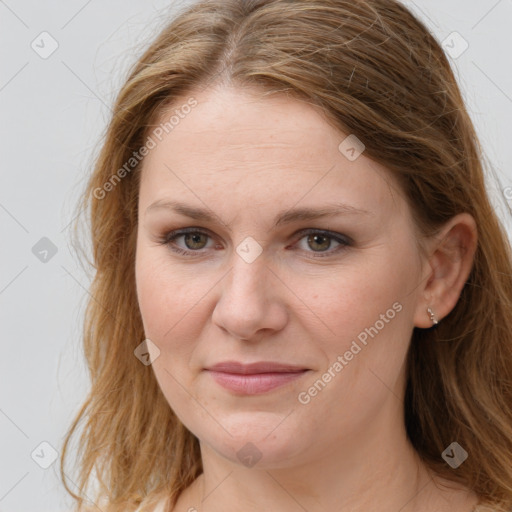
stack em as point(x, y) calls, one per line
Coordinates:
point(283, 217)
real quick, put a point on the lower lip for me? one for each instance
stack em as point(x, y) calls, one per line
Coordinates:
point(255, 383)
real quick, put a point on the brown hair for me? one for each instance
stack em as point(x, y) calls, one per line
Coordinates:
point(376, 72)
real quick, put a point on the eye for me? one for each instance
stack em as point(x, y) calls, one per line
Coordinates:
point(194, 239)
point(320, 241)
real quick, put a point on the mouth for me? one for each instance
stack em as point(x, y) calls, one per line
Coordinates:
point(254, 378)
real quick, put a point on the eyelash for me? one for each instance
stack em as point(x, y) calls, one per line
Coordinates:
point(343, 240)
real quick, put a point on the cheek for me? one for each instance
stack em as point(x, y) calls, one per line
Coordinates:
point(365, 356)
point(166, 301)
point(174, 305)
point(354, 297)
point(368, 310)
point(162, 294)
point(151, 294)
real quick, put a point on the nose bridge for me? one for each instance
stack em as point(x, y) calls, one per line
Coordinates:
point(247, 279)
point(247, 302)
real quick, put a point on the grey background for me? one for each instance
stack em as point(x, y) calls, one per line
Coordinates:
point(53, 112)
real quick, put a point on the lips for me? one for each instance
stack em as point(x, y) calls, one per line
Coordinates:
point(254, 378)
point(255, 368)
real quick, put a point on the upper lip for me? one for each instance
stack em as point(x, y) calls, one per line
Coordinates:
point(254, 368)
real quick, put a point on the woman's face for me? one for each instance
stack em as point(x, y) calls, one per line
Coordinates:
point(299, 252)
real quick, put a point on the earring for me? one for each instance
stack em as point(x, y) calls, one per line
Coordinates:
point(432, 316)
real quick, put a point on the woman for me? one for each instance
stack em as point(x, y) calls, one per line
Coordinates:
point(302, 295)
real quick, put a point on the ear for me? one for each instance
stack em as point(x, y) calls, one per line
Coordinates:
point(451, 253)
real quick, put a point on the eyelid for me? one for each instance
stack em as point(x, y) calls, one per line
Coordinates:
point(326, 232)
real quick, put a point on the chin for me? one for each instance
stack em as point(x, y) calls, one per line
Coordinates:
point(260, 443)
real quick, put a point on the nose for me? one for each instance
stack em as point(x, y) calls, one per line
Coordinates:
point(251, 303)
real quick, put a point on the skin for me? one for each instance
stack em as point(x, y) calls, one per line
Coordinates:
point(247, 158)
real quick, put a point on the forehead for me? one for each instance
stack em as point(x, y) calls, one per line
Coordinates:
point(234, 120)
point(262, 149)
